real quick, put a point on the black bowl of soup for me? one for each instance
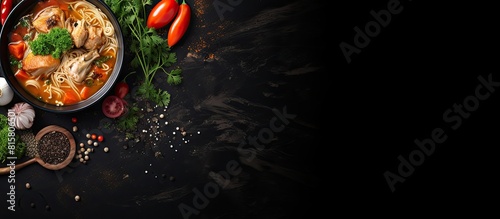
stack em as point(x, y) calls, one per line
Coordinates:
point(61, 56)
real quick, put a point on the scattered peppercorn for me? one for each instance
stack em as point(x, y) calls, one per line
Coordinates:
point(53, 147)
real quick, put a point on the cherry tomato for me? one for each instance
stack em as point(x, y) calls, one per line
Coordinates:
point(180, 24)
point(100, 138)
point(113, 106)
point(121, 89)
point(6, 7)
point(162, 14)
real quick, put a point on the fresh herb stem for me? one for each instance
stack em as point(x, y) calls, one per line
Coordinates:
point(130, 73)
point(151, 51)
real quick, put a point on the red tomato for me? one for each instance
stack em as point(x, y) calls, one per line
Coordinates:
point(162, 14)
point(179, 25)
point(121, 89)
point(113, 106)
point(6, 7)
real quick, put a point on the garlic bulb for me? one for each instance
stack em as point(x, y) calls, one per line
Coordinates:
point(6, 93)
point(24, 115)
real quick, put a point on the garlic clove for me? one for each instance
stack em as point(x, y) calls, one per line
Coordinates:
point(24, 115)
point(24, 123)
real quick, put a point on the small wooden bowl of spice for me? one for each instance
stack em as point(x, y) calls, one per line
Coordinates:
point(55, 148)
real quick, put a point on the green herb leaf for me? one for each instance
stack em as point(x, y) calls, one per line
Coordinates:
point(174, 77)
point(15, 62)
point(20, 146)
point(99, 61)
point(130, 120)
point(55, 42)
point(162, 98)
point(151, 51)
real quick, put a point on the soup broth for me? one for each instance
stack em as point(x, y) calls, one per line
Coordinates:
point(80, 71)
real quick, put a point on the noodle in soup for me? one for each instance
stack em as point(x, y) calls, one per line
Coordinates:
point(81, 70)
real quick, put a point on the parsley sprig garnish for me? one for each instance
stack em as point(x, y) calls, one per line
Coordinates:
point(151, 51)
point(55, 42)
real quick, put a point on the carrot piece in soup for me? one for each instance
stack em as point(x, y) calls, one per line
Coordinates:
point(21, 75)
point(70, 97)
point(17, 50)
point(85, 93)
point(15, 37)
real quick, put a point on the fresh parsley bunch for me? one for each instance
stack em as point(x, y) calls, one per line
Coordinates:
point(20, 146)
point(152, 53)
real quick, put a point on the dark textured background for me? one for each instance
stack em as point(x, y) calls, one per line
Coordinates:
point(262, 56)
point(353, 120)
point(426, 60)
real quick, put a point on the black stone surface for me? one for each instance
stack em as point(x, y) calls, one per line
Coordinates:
point(431, 69)
point(254, 77)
